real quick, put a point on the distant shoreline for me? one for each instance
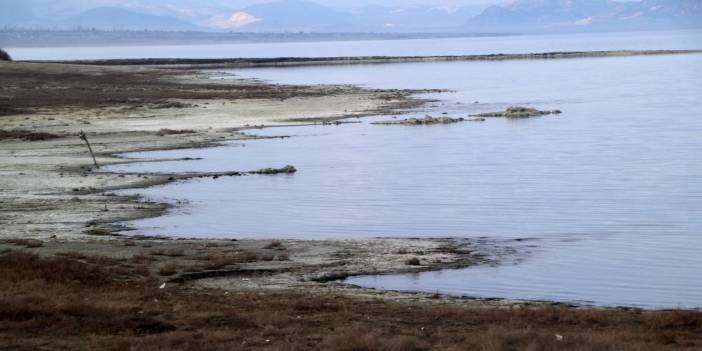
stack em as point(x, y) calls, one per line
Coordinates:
point(98, 38)
point(319, 61)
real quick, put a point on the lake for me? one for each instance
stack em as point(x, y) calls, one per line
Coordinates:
point(421, 47)
point(608, 194)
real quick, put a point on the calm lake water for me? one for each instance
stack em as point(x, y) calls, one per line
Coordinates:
point(609, 193)
point(421, 47)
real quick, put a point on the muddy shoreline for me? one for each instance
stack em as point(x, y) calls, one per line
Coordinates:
point(53, 194)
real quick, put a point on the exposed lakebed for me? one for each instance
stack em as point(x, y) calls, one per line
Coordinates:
point(609, 193)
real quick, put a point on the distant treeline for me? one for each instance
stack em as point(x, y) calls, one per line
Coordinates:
point(91, 37)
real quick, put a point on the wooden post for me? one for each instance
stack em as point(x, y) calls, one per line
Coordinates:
point(85, 138)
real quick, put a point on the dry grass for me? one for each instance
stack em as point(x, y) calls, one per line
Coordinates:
point(169, 269)
point(98, 232)
point(168, 260)
point(353, 339)
point(414, 261)
point(275, 245)
point(177, 252)
point(81, 302)
point(73, 255)
point(214, 261)
point(142, 259)
point(266, 257)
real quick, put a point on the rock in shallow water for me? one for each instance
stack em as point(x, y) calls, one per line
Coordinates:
point(267, 171)
point(428, 120)
point(519, 112)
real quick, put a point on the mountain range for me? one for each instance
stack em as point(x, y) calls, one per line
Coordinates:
point(523, 16)
point(590, 15)
point(116, 18)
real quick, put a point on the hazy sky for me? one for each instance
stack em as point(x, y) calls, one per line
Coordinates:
point(61, 7)
point(331, 3)
point(38, 4)
point(200, 11)
point(14, 10)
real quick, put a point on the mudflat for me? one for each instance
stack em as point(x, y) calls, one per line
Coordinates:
point(49, 184)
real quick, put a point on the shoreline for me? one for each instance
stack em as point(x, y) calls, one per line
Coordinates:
point(62, 160)
point(103, 213)
point(15, 38)
point(124, 305)
point(149, 293)
point(78, 203)
point(326, 61)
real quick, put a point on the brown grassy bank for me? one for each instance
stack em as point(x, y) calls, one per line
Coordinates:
point(78, 302)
